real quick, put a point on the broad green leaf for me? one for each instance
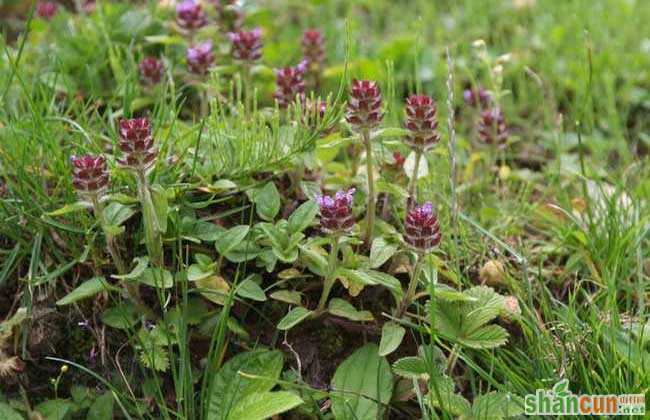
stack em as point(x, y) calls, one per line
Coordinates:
point(362, 386)
point(293, 318)
point(157, 277)
point(392, 335)
point(85, 290)
point(251, 290)
point(231, 238)
point(262, 405)
point(56, 409)
point(70, 208)
point(486, 337)
point(122, 316)
point(303, 216)
point(159, 198)
point(497, 405)
point(195, 272)
point(411, 367)
point(287, 296)
point(380, 252)
point(344, 309)
point(141, 264)
point(102, 408)
point(8, 413)
point(229, 387)
point(214, 288)
point(267, 201)
point(116, 214)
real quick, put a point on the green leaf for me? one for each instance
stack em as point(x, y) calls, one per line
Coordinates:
point(195, 272)
point(8, 413)
point(303, 216)
point(122, 316)
point(116, 214)
point(231, 238)
point(287, 296)
point(380, 252)
point(251, 290)
point(267, 201)
point(85, 290)
point(344, 309)
point(102, 408)
point(157, 277)
point(159, 198)
point(293, 318)
point(411, 367)
point(262, 405)
point(57, 409)
point(141, 264)
point(361, 386)
point(486, 337)
point(497, 405)
point(229, 387)
point(70, 208)
point(392, 335)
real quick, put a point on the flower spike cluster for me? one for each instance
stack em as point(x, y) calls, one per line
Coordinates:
point(336, 212)
point(364, 105)
point(474, 98)
point(246, 45)
point(89, 174)
point(200, 58)
point(492, 127)
point(230, 17)
point(313, 48)
point(136, 142)
point(421, 122)
point(151, 70)
point(47, 9)
point(190, 15)
point(289, 84)
point(422, 230)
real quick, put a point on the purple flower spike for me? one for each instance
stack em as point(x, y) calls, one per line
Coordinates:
point(89, 174)
point(422, 230)
point(151, 70)
point(137, 144)
point(200, 58)
point(47, 9)
point(246, 45)
point(364, 105)
point(336, 212)
point(421, 122)
point(313, 48)
point(289, 84)
point(492, 127)
point(190, 15)
point(473, 98)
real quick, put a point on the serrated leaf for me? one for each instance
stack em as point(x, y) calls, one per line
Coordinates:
point(287, 296)
point(486, 337)
point(303, 216)
point(87, 289)
point(231, 238)
point(411, 367)
point(229, 386)
point(497, 405)
point(70, 208)
point(262, 405)
point(362, 385)
point(293, 318)
point(250, 290)
point(380, 252)
point(392, 335)
point(344, 309)
point(267, 201)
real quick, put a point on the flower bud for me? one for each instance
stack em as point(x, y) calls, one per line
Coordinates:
point(313, 48)
point(190, 15)
point(492, 127)
point(289, 84)
point(421, 122)
point(492, 273)
point(89, 174)
point(136, 142)
point(151, 70)
point(200, 58)
point(422, 230)
point(336, 212)
point(364, 105)
point(46, 9)
point(484, 98)
point(246, 45)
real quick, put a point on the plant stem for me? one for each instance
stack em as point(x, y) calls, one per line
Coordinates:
point(153, 240)
point(365, 135)
point(413, 285)
point(414, 179)
point(453, 358)
point(331, 270)
point(247, 80)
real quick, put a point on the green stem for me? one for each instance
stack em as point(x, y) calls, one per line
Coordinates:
point(413, 285)
point(247, 80)
point(453, 358)
point(331, 270)
point(365, 135)
point(414, 179)
point(153, 239)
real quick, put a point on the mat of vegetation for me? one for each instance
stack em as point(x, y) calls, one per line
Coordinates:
point(347, 209)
